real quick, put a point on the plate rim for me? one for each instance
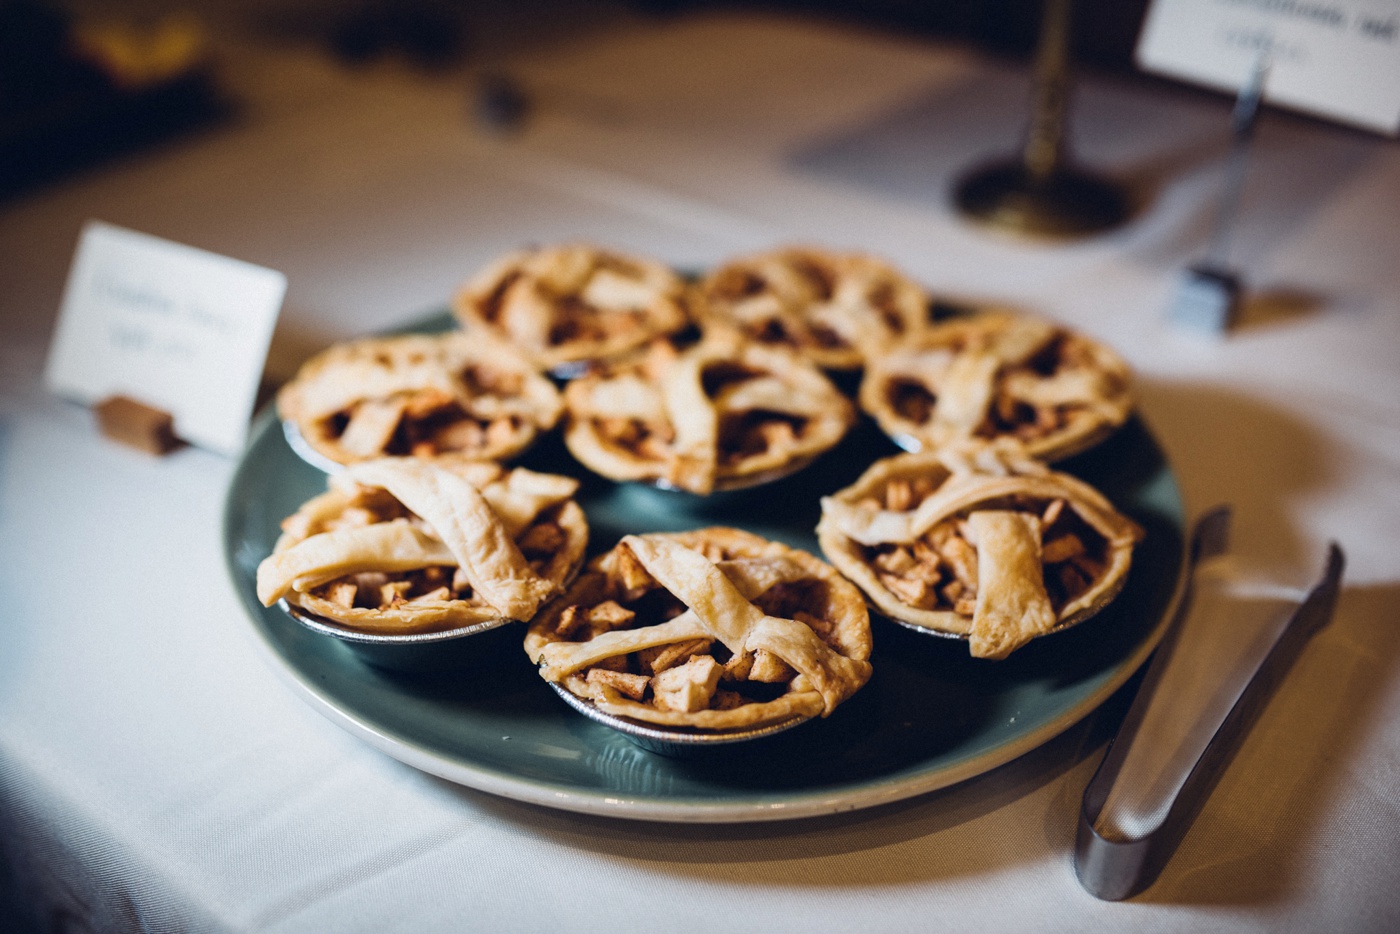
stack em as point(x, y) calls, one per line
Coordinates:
point(637, 808)
point(870, 793)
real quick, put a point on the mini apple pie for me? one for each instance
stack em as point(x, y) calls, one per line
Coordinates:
point(715, 629)
point(996, 374)
point(402, 545)
point(833, 308)
point(419, 394)
point(564, 305)
point(978, 541)
point(720, 414)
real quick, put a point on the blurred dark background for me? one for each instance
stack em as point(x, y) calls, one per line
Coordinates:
point(82, 80)
point(1104, 30)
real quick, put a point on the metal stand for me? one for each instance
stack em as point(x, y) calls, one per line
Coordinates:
point(1039, 194)
point(1209, 296)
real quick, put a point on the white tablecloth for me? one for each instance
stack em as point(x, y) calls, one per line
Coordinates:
point(155, 774)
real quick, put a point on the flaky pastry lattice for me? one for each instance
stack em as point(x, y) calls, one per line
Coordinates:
point(719, 414)
point(978, 541)
point(419, 394)
point(411, 545)
point(573, 303)
point(715, 629)
point(996, 374)
point(833, 308)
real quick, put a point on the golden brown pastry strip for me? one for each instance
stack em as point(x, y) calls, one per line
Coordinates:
point(420, 394)
point(836, 309)
point(524, 494)
point(795, 704)
point(874, 527)
point(684, 690)
point(570, 303)
point(558, 659)
point(723, 411)
point(463, 518)
point(365, 377)
point(385, 546)
point(728, 616)
point(911, 533)
point(996, 374)
point(964, 394)
point(693, 416)
point(1012, 605)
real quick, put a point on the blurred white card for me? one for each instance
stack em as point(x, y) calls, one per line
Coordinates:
point(1334, 58)
point(168, 325)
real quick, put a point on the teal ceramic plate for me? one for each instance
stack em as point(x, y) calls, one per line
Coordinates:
point(929, 717)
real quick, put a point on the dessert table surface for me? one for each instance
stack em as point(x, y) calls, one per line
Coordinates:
point(156, 771)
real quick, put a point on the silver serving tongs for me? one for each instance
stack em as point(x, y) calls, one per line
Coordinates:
point(1116, 858)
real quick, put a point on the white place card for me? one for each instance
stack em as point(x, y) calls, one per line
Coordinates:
point(1334, 58)
point(171, 326)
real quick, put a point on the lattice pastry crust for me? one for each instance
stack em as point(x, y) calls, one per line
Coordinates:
point(715, 629)
point(722, 413)
point(564, 305)
point(419, 394)
point(996, 374)
point(833, 308)
point(978, 541)
point(410, 545)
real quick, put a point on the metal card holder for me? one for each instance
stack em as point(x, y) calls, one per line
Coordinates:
point(1117, 867)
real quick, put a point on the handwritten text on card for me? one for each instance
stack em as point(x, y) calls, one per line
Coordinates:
point(169, 325)
point(1334, 58)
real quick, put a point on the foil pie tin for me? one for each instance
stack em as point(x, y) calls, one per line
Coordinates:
point(676, 742)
